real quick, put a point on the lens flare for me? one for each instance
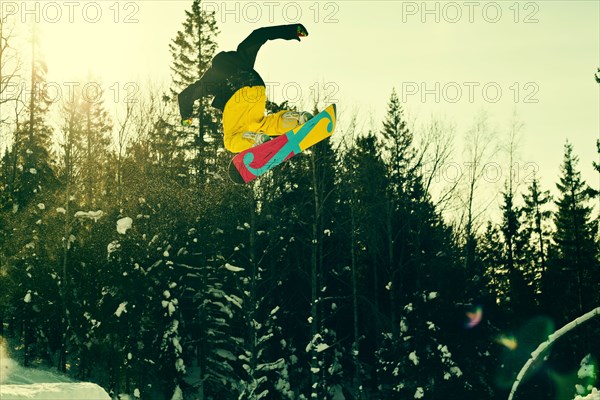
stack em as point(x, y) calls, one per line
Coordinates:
point(474, 317)
point(508, 341)
point(517, 347)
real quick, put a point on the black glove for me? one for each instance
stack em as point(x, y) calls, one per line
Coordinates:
point(300, 31)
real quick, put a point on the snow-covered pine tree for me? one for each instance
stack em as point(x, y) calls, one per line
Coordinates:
point(363, 174)
point(417, 364)
point(33, 180)
point(419, 266)
point(321, 162)
point(264, 356)
point(399, 156)
point(9, 73)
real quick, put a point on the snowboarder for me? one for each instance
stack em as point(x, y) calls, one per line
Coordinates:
point(239, 92)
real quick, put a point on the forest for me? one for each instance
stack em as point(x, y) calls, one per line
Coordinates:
point(353, 271)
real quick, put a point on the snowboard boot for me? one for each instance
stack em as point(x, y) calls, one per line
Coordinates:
point(256, 137)
point(294, 118)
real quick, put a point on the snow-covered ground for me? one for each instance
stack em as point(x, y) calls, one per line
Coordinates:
point(18, 383)
point(53, 391)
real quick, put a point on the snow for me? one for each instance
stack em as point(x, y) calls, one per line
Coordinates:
point(112, 247)
point(95, 215)
point(170, 306)
point(420, 393)
point(177, 394)
point(312, 344)
point(587, 374)
point(124, 224)
point(321, 347)
point(587, 369)
point(225, 354)
point(53, 391)
point(445, 352)
point(413, 357)
point(180, 366)
point(595, 395)
point(236, 301)
point(121, 309)
point(18, 383)
point(276, 365)
point(232, 268)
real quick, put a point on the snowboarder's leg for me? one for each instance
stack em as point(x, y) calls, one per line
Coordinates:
point(281, 122)
point(241, 113)
point(244, 113)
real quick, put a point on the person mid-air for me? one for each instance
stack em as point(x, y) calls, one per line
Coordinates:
point(240, 93)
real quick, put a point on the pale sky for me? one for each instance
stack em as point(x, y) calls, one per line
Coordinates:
point(450, 59)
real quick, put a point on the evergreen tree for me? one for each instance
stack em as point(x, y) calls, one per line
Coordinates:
point(575, 262)
point(491, 254)
point(399, 156)
point(418, 261)
point(32, 183)
point(418, 364)
point(34, 173)
point(96, 131)
point(265, 354)
point(192, 50)
point(537, 232)
point(362, 180)
point(520, 296)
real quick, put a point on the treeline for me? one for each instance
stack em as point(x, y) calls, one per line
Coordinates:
point(129, 259)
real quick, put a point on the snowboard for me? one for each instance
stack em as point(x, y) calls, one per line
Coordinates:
point(255, 161)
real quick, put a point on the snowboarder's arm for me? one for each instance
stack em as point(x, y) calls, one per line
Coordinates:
point(250, 46)
point(203, 87)
point(187, 98)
